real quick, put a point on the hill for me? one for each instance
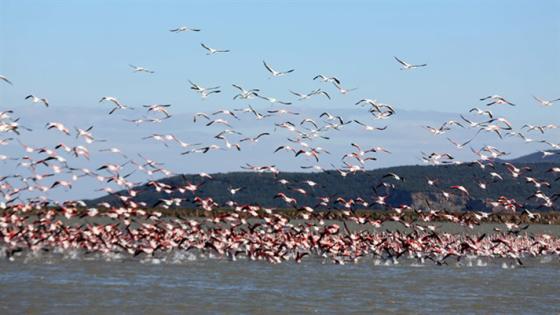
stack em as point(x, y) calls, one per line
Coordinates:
point(553, 156)
point(260, 188)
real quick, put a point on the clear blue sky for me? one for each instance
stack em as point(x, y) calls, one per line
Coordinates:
point(74, 52)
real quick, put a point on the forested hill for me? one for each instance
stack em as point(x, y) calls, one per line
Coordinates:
point(260, 188)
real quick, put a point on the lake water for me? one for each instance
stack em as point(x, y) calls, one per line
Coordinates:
point(179, 284)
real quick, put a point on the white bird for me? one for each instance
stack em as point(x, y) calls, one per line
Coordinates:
point(115, 101)
point(276, 73)
point(368, 127)
point(63, 183)
point(233, 191)
point(227, 132)
point(86, 134)
point(35, 99)
point(181, 29)
point(544, 102)
point(497, 99)
point(250, 109)
point(437, 131)
point(408, 66)
point(302, 96)
point(58, 126)
point(245, 94)
point(218, 121)
point(369, 101)
point(204, 92)
point(459, 145)
point(273, 100)
point(375, 105)
point(473, 124)
point(200, 114)
point(327, 79)
point(212, 51)
point(6, 114)
point(226, 112)
point(482, 112)
point(161, 108)
point(282, 112)
point(162, 137)
point(342, 90)
point(140, 69)
point(142, 120)
point(255, 139)
point(3, 78)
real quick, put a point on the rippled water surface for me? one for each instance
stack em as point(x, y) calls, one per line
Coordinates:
point(78, 286)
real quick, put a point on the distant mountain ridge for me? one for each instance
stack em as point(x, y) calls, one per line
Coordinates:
point(553, 156)
point(261, 188)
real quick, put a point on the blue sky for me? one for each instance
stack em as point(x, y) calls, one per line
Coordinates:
point(73, 53)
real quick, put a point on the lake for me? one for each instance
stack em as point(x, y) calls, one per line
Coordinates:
point(179, 283)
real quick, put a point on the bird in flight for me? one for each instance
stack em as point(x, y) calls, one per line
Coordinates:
point(496, 99)
point(327, 78)
point(114, 100)
point(204, 92)
point(408, 66)
point(140, 69)
point(545, 103)
point(273, 100)
point(302, 96)
point(3, 78)
point(276, 73)
point(212, 51)
point(181, 29)
point(245, 94)
point(459, 145)
point(161, 108)
point(343, 90)
point(35, 99)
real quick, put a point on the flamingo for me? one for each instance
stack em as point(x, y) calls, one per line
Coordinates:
point(116, 102)
point(275, 73)
point(327, 79)
point(545, 103)
point(212, 51)
point(35, 99)
point(182, 29)
point(408, 66)
point(140, 69)
point(5, 79)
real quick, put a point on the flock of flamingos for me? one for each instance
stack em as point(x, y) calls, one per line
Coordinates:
point(33, 224)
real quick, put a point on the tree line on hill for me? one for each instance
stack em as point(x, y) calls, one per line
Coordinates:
point(413, 190)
